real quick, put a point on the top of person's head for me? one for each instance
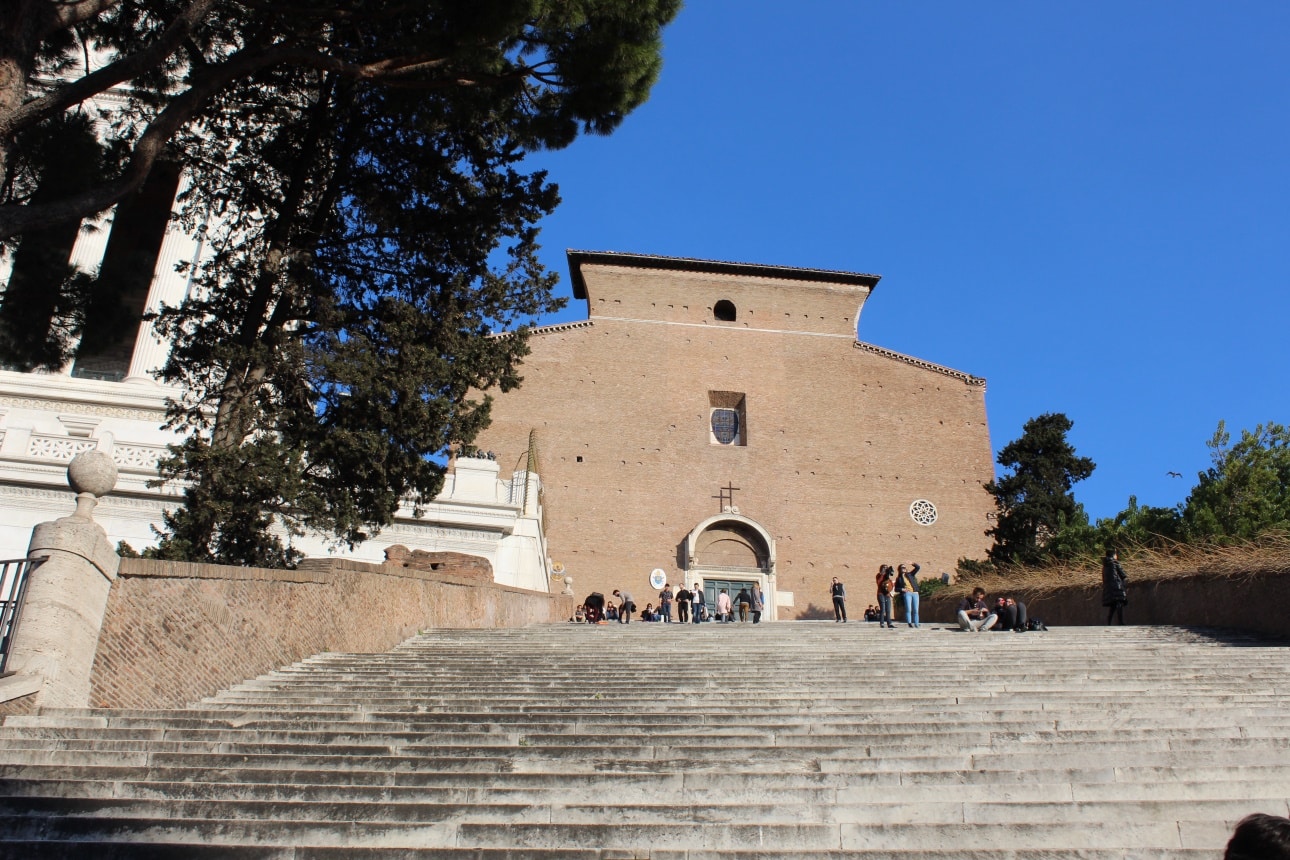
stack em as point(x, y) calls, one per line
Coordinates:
point(978, 592)
point(1111, 552)
point(1260, 837)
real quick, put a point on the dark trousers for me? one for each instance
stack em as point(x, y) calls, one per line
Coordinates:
point(840, 608)
point(1116, 611)
point(884, 609)
point(683, 612)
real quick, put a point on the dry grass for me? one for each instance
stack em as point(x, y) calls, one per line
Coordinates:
point(1268, 554)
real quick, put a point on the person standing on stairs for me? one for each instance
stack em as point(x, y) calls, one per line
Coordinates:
point(665, 603)
point(886, 580)
point(907, 589)
point(683, 598)
point(1114, 593)
point(744, 601)
point(839, 593)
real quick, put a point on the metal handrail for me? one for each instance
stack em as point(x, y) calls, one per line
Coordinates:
point(14, 575)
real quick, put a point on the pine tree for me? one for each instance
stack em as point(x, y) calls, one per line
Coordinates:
point(1247, 489)
point(1034, 500)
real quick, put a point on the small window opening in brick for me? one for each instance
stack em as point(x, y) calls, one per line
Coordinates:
point(728, 418)
point(579, 458)
point(724, 310)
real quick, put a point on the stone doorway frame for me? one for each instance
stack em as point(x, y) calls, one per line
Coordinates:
point(759, 541)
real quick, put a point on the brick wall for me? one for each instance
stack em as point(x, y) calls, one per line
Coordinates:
point(1255, 604)
point(175, 632)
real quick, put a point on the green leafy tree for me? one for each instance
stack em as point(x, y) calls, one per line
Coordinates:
point(1246, 490)
point(1034, 500)
point(358, 167)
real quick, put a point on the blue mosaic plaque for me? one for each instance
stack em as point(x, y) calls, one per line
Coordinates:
point(725, 425)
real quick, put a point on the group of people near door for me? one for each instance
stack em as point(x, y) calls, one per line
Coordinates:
point(688, 606)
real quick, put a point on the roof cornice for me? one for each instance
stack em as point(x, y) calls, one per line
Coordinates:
point(577, 259)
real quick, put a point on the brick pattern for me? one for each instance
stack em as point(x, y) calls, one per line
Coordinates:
point(176, 632)
point(839, 441)
point(20, 706)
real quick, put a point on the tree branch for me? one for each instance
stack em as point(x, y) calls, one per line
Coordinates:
point(110, 75)
point(69, 13)
point(16, 219)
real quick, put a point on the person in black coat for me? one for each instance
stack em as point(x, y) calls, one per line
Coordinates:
point(1114, 593)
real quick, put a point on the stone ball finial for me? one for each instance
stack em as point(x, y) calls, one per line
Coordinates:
point(92, 472)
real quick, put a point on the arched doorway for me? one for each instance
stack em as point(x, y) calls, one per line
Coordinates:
point(731, 551)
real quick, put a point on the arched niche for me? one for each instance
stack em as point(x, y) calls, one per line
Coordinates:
point(730, 541)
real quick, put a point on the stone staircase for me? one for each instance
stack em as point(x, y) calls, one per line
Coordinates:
point(682, 742)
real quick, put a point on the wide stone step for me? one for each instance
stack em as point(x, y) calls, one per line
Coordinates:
point(807, 735)
point(653, 788)
point(163, 851)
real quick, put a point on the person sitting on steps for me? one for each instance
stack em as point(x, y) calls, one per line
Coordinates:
point(974, 613)
point(1011, 613)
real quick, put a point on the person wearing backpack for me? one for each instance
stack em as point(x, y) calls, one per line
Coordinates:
point(907, 588)
point(886, 580)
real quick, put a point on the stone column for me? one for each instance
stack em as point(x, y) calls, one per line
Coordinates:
point(87, 255)
point(168, 287)
point(58, 633)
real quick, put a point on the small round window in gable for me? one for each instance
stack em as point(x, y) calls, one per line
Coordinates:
point(923, 512)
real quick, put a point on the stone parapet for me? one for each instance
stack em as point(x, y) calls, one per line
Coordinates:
point(176, 632)
point(1254, 604)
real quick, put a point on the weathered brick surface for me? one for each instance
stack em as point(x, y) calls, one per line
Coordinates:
point(472, 567)
point(175, 632)
point(840, 439)
point(1255, 604)
point(18, 707)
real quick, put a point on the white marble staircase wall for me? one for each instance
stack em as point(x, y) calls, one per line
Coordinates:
point(46, 419)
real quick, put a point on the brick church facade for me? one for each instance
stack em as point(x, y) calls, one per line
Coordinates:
point(721, 422)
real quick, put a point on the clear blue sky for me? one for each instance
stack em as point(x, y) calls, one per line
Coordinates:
point(1086, 203)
